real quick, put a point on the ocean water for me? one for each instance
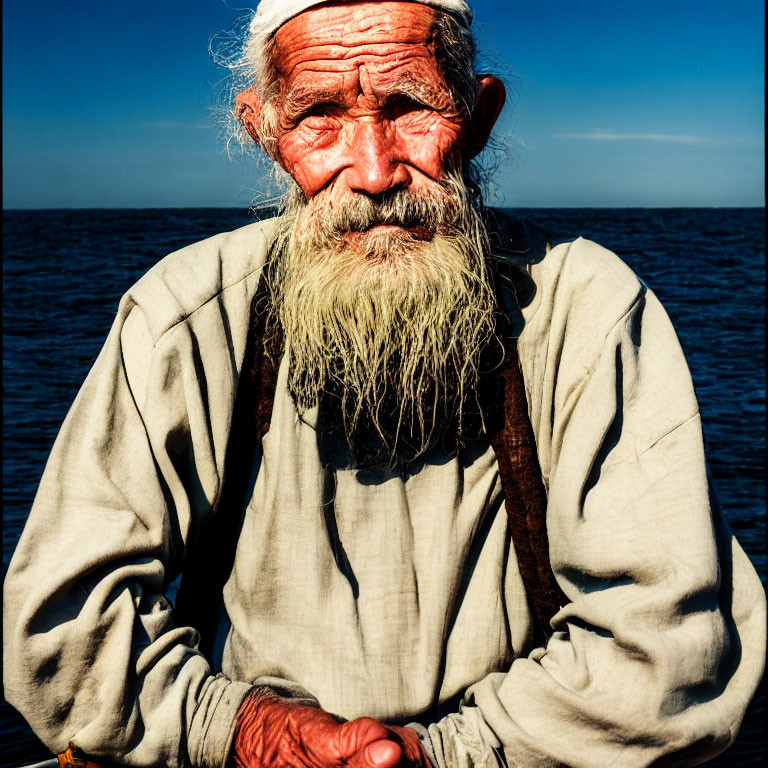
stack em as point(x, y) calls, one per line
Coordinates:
point(64, 271)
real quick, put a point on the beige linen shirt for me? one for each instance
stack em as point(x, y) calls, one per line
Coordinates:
point(384, 595)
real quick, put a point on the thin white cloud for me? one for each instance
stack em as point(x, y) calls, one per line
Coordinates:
point(676, 138)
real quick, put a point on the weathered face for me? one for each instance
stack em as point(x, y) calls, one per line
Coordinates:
point(364, 107)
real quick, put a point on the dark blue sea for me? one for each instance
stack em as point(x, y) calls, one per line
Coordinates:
point(64, 271)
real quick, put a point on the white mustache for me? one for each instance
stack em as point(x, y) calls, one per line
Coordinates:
point(431, 211)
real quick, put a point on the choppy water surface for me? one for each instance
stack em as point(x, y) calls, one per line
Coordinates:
point(64, 271)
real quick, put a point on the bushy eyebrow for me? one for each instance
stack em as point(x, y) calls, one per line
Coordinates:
point(305, 93)
point(418, 90)
point(304, 97)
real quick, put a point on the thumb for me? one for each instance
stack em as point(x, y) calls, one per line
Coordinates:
point(383, 753)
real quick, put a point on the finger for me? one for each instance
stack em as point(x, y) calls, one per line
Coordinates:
point(354, 736)
point(379, 754)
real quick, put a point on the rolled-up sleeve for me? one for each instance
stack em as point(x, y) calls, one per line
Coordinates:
point(661, 647)
point(92, 656)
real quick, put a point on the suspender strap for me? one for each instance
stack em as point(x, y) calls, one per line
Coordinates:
point(525, 498)
point(209, 559)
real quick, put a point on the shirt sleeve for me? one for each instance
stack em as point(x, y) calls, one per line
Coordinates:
point(92, 657)
point(661, 647)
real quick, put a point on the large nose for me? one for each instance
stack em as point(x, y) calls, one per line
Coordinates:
point(376, 165)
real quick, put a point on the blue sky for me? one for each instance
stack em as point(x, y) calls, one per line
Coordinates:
point(614, 103)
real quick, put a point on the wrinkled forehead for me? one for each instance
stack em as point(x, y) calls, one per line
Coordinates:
point(337, 38)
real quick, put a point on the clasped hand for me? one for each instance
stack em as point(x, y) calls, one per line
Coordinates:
point(272, 732)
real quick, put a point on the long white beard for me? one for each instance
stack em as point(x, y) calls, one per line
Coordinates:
point(385, 328)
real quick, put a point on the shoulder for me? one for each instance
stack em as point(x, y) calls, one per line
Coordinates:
point(558, 280)
point(183, 282)
point(586, 281)
point(582, 292)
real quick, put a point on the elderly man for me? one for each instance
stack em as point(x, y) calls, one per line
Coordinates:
point(452, 476)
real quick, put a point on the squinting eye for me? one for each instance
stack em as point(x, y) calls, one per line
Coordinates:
point(402, 105)
point(321, 110)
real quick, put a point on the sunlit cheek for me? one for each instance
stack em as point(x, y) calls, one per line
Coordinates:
point(312, 157)
point(430, 145)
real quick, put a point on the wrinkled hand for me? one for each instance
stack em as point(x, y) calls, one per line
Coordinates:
point(276, 733)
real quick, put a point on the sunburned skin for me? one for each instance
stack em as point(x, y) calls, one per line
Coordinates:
point(364, 107)
point(274, 733)
point(365, 104)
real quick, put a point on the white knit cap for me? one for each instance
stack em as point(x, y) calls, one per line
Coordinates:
point(272, 14)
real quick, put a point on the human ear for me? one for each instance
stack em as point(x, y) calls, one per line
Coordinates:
point(248, 111)
point(491, 95)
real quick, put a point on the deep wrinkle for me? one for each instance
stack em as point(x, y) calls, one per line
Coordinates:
point(364, 105)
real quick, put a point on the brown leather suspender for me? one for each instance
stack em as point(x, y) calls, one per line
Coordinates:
point(525, 498)
point(211, 555)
